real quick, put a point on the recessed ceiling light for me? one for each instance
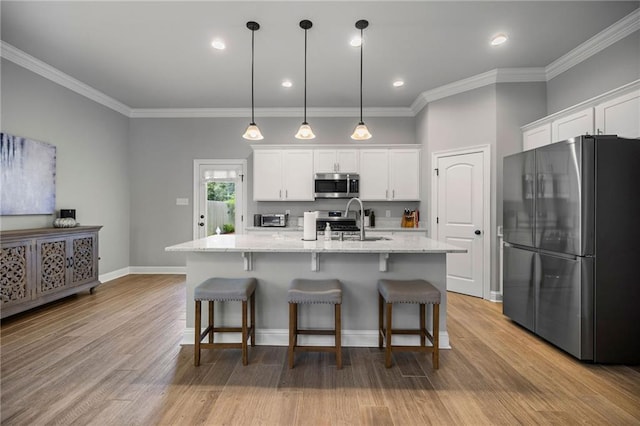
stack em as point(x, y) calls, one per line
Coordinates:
point(287, 83)
point(498, 39)
point(398, 83)
point(356, 41)
point(218, 44)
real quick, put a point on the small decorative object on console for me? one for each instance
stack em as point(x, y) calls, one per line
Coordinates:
point(64, 222)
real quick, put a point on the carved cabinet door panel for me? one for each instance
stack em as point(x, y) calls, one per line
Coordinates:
point(16, 266)
point(84, 259)
point(53, 265)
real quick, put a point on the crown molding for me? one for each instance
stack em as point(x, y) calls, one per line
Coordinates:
point(266, 112)
point(616, 32)
point(498, 75)
point(45, 70)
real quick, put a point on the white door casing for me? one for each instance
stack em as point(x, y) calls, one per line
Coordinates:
point(461, 216)
point(200, 167)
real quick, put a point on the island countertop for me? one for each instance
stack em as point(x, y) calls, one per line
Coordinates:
point(294, 244)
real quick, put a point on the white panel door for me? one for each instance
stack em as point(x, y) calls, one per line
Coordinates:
point(620, 116)
point(297, 175)
point(460, 220)
point(374, 174)
point(580, 123)
point(404, 170)
point(267, 175)
point(534, 138)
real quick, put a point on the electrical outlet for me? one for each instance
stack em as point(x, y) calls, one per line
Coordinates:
point(182, 201)
point(287, 212)
point(387, 213)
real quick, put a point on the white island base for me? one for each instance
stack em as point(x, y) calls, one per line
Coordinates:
point(275, 261)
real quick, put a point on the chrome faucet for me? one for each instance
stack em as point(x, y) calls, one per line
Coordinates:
point(346, 211)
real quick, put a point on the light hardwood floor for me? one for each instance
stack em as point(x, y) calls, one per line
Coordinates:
point(114, 358)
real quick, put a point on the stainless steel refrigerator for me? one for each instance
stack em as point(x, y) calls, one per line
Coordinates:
point(571, 218)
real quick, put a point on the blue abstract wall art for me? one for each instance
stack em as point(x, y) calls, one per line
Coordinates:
point(27, 176)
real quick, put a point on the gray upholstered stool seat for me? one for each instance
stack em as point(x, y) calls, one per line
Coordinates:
point(224, 290)
point(419, 292)
point(306, 291)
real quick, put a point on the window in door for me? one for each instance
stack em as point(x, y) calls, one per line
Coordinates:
point(220, 188)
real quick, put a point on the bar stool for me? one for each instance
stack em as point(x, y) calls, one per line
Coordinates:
point(304, 291)
point(408, 291)
point(225, 290)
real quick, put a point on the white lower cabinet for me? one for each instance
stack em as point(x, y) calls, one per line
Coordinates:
point(283, 175)
point(619, 116)
point(390, 174)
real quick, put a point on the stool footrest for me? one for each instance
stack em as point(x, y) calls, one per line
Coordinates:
point(317, 332)
point(315, 348)
point(221, 345)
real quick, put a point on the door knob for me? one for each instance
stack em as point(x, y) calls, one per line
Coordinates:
point(477, 232)
point(201, 223)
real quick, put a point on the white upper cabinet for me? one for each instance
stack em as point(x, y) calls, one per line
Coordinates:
point(335, 160)
point(404, 174)
point(576, 124)
point(536, 137)
point(619, 116)
point(390, 174)
point(283, 175)
point(374, 174)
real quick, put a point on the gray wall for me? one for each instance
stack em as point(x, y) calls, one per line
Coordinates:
point(613, 67)
point(92, 168)
point(162, 153)
point(490, 115)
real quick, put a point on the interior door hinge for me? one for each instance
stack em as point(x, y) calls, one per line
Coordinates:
point(241, 178)
point(437, 172)
point(437, 219)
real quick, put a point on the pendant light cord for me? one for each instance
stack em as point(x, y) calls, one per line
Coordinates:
point(361, 43)
point(305, 75)
point(253, 32)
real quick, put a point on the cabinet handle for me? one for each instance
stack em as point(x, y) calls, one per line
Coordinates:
point(386, 194)
point(336, 167)
point(286, 194)
point(393, 194)
point(280, 194)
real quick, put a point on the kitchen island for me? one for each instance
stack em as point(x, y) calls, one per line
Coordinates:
point(277, 259)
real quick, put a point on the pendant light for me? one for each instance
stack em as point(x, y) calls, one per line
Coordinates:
point(305, 132)
point(253, 132)
point(361, 132)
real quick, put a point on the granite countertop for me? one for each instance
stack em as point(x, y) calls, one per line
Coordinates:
point(289, 243)
point(277, 229)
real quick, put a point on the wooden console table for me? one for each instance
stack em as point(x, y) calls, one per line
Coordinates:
point(38, 266)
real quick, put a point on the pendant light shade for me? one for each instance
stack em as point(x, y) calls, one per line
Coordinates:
point(253, 132)
point(305, 132)
point(361, 132)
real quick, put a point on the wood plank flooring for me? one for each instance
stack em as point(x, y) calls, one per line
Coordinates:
point(114, 358)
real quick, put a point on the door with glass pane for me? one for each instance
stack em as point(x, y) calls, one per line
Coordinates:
point(219, 189)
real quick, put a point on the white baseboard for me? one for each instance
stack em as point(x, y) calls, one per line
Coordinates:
point(180, 270)
point(114, 274)
point(495, 296)
point(350, 338)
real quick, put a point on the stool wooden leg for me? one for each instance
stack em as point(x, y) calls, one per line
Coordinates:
point(245, 314)
point(253, 319)
point(196, 348)
point(423, 325)
point(211, 321)
point(338, 342)
point(380, 319)
point(292, 331)
point(436, 336)
point(387, 354)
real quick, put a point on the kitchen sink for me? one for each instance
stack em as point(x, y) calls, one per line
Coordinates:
point(366, 238)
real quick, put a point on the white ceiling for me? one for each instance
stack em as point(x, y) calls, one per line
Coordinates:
point(148, 54)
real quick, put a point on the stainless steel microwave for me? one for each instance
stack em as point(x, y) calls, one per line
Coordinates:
point(274, 219)
point(336, 185)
